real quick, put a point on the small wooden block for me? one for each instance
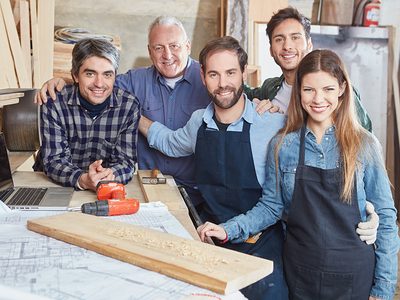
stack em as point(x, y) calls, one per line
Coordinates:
point(7, 96)
point(167, 193)
point(9, 101)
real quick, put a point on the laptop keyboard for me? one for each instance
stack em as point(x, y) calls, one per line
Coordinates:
point(5, 194)
point(27, 196)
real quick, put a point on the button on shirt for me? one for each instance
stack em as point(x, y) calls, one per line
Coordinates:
point(183, 141)
point(372, 184)
point(72, 140)
point(171, 107)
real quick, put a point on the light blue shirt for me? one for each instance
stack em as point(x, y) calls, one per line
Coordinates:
point(182, 142)
point(372, 184)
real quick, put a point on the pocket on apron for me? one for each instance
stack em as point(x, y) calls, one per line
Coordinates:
point(338, 286)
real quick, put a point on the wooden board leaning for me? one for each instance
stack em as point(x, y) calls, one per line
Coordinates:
point(214, 268)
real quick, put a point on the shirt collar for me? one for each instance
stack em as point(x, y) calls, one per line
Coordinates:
point(247, 115)
point(190, 74)
point(279, 82)
point(330, 131)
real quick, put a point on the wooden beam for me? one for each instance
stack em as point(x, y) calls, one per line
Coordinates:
point(9, 102)
point(215, 268)
point(14, 44)
point(262, 11)
point(45, 19)
point(37, 81)
point(15, 4)
point(11, 95)
point(6, 60)
point(162, 192)
point(24, 28)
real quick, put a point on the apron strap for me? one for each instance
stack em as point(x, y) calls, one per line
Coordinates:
point(302, 147)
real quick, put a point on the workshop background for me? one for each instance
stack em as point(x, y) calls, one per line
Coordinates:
point(40, 35)
point(36, 42)
point(206, 19)
point(29, 55)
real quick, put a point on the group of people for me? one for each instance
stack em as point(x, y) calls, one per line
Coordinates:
point(297, 186)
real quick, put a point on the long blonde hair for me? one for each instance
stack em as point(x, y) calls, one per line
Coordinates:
point(349, 133)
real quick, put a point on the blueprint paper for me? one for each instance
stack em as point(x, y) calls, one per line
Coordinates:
point(37, 264)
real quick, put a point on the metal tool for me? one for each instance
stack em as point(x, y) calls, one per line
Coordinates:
point(154, 178)
point(194, 215)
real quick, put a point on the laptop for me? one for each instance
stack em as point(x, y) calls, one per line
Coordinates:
point(29, 198)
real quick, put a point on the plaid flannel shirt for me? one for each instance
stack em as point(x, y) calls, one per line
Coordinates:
point(72, 140)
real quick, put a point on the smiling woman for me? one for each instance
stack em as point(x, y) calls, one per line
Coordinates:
point(319, 98)
point(344, 166)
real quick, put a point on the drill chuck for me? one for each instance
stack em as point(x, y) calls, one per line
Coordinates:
point(97, 208)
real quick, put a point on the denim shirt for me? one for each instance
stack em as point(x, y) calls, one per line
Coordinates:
point(171, 107)
point(372, 184)
point(183, 141)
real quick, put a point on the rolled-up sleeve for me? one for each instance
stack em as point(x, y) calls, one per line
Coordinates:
point(178, 143)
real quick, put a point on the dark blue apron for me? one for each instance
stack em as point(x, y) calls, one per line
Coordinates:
point(226, 177)
point(323, 255)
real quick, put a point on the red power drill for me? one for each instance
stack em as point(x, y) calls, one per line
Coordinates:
point(111, 201)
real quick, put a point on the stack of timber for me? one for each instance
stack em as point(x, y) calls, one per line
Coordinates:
point(26, 36)
point(9, 96)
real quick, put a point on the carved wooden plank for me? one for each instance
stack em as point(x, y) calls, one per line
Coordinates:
point(221, 270)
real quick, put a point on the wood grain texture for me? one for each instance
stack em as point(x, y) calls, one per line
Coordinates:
point(337, 12)
point(9, 78)
point(26, 37)
point(15, 45)
point(262, 11)
point(37, 80)
point(167, 193)
point(45, 20)
point(214, 268)
point(8, 101)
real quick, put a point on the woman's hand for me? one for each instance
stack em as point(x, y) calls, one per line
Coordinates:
point(209, 230)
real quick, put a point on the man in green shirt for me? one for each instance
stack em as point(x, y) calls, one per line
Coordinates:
point(290, 40)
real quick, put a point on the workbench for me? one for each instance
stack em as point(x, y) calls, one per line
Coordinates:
point(167, 193)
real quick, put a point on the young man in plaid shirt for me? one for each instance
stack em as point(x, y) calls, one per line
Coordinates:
point(91, 134)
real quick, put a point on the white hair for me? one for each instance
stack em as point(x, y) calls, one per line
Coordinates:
point(167, 20)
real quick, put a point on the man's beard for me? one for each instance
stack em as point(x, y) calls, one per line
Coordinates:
point(227, 104)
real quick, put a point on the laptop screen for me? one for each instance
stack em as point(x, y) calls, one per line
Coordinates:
point(5, 170)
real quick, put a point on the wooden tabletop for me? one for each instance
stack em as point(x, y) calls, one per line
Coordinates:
point(167, 193)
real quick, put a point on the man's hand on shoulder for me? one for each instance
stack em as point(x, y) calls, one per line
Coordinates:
point(265, 105)
point(51, 87)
